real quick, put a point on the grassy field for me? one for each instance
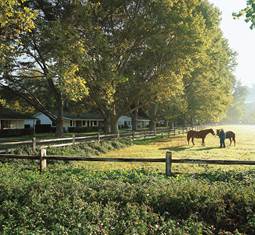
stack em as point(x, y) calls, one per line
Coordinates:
point(93, 198)
point(244, 150)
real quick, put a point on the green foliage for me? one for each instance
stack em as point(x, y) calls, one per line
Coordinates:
point(248, 12)
point(83, 149)
point(64, 200)
point(237, 110)
point(208, 90)
point(15, 18)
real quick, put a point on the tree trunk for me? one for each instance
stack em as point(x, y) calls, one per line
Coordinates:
point(152, 125)
point(134, 117)
point(114, 125)
point(153, 117)
point(107, 125)
point(60, 118)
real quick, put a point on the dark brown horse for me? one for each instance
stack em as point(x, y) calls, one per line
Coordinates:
point(199, 134)
point(229, 135)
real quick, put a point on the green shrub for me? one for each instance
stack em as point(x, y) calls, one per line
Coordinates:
point(76, 201)
point(85, 149)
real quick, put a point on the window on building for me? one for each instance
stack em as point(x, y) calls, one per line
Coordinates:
point(95, 123)
point(5, 124)
point(71, 123)
point(78, 123)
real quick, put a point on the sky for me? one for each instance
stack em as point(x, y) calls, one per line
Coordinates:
point(241, 39)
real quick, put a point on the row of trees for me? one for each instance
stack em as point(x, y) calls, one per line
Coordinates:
point(165, 57)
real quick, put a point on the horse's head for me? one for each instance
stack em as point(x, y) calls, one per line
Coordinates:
point(218, 131)
point(212, 131)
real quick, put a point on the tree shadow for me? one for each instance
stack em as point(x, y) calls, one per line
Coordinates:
point(206, 148)
point(181, 148)
point(176, 148)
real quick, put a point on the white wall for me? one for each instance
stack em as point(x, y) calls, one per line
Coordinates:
point(30, 122)
point(43, 118)
point(14, 124)
point(125, 120)
point(143, 123)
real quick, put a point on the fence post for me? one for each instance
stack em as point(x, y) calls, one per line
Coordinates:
point(43, 161)
point(168, 163)
point(73, 140)
point(98, 137)
point(34, 144)
point(133, 135)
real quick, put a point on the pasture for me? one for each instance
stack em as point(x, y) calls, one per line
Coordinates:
point(121, 198)
point(244, 150)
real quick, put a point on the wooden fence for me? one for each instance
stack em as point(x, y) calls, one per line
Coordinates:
point(42, 158)
point(60, 142)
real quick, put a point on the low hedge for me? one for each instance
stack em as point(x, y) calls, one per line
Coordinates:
point(75, 201)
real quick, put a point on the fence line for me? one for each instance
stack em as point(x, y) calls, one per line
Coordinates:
point(168, 160)
point(42, 157)
point(96, 137)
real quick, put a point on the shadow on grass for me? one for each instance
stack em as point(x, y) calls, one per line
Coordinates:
point(149, 141)
point(206, 148)
point(176, 148)
point(190, 147)
point(158, 139)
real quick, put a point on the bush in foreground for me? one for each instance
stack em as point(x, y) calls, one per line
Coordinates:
point(71, 200)
point(85, 149)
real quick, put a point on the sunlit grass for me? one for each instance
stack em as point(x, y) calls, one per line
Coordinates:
point(244, 150)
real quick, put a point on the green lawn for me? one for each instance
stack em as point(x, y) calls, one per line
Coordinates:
point(244, 150)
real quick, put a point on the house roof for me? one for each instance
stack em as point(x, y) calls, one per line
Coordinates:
point(79, 116)
point(86, 116)
point(10, 114)
point(142, 118)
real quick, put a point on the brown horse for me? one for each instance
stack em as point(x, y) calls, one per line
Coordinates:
point(199, 134)
point(229, 135)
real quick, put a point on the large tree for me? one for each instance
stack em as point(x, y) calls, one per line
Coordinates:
point(208, 90)
point(43, 68)
point(139, 51)
point(207, 86)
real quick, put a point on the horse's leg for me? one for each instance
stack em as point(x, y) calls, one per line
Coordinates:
point(230, 139)
point(234, 139)
point(203, 141)
point(188, 138)
point(193, 141)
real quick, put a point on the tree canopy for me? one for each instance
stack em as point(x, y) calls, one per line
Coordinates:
point(117, 57)
point(248, 13)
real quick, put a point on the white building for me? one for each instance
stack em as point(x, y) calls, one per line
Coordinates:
point(88, 120)
point(80, 120)
point(125, 122)
point(10, 119)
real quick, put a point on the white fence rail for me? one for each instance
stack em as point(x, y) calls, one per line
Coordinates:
point(60, 142)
